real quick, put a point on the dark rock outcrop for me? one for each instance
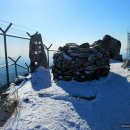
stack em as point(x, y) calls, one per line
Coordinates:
point(109, 44)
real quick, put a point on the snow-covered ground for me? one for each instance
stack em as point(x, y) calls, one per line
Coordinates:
point(49, 105)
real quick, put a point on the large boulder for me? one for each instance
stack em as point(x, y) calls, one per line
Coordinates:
point(113, 46)
point(110, 45)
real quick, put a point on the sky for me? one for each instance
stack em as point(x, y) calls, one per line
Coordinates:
point(64, 21)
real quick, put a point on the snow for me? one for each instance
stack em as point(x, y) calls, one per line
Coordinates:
point(52, 105)
point(67, 57)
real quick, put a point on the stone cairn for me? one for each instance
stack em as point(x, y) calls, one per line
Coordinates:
point(80, 63)
point(37, 53)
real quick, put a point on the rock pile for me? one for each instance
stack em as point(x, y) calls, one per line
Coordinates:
point(80, 63)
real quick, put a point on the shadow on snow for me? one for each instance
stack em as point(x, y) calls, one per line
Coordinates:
point(40, 79)
point(109, 110)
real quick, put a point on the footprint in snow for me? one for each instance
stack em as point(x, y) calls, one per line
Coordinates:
point(26, 100)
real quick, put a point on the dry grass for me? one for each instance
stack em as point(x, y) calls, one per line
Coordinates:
point(8, 105)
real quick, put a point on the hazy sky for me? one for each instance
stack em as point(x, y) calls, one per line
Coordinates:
point(63, 21)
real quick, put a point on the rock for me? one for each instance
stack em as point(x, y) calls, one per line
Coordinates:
point(71, 45)
point(109, 44)
point(67, 78)
point(64, 49)
point(104, 71)
point(89, 75)
point(98, 44)
point(67, 65)
point(113, 47)
point(36, 53)
point(84, 45)
point(119, 58)
point(80, 78)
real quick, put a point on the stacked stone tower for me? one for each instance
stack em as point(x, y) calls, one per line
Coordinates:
point(37, 53)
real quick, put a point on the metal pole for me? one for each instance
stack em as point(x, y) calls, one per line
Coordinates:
point(16, 73)
point(48, 57)
point(15, 64)
point(6, 59)
point(5, 48)
point(9, 35)
point(48, 54)
point(27, 67)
